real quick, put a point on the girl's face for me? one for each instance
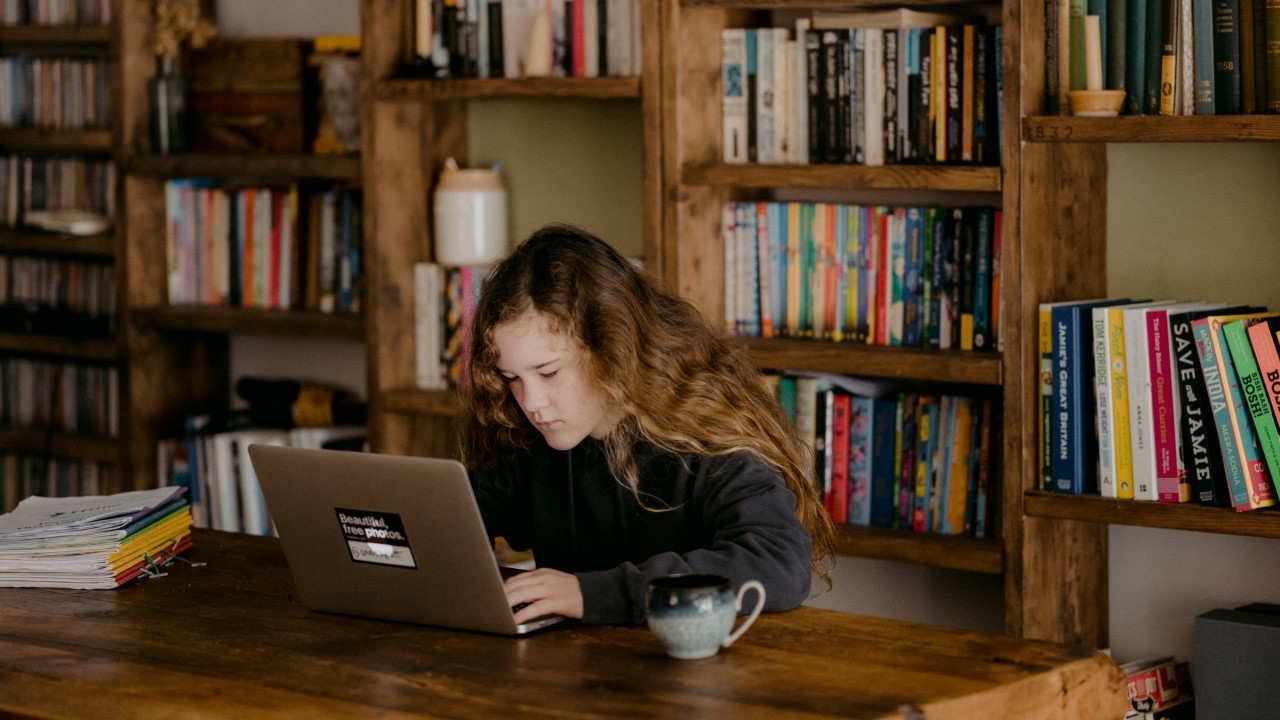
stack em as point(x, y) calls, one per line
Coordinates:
point(547, 376)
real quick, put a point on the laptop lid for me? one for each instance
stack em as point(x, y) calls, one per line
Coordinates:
point(385, 536)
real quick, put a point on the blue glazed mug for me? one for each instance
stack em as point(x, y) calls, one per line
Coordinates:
point(693, 615)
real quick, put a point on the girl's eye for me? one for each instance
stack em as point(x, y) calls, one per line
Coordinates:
point(549, 374)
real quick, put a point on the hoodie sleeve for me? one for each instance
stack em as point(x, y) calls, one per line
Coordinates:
point(502, 495)
point(748, 514)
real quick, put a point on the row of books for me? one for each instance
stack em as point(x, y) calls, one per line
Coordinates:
point(1161, 401)
point(495, 38)
point(54, 183)
point(1171, 57)
point(885, 457)
point(444, 304)
point(56, 295)
point(247, 246)
point(68, 397)
point(870, 88)
point(25, 474)
point(55, 93)
point(912, 276)
point(55, 12)
point(212, 462)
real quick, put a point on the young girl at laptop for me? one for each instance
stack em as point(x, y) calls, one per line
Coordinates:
point(619, 436)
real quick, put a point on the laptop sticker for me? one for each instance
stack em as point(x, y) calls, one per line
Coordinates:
point(376, 537)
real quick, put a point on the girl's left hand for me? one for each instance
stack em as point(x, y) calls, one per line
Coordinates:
point(547, 592)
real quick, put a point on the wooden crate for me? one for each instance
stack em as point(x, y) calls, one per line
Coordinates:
point(252, 95)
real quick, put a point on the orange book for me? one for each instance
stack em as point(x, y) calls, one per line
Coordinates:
point(247, 249)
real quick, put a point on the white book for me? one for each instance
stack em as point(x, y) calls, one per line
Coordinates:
point(262, 250)
point(873, 135)
point(224, 489)
point(1141, 434)
point(1105, 415)
point(618, 37)
point(254, 518)
point(729, 238)
point(733, 93)
point(428, 326)
point(517, 22)
point(799, 129)
point(590, 38)
point(765, 109)
point(783, 56)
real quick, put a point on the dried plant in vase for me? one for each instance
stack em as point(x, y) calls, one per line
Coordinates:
point(176, 23)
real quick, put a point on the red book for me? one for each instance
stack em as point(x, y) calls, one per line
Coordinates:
point(837, 500)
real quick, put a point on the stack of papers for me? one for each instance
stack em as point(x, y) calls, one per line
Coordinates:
point(92, 542)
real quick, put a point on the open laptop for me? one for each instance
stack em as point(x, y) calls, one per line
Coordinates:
point(386, 536)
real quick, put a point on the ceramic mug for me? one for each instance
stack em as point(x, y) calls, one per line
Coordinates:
point(693, 614)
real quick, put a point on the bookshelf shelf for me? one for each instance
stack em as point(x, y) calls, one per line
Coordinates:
point(52, 442)
point(815, 4)
point(52, 140)
point(420, 402)
point(932, 178)
point(99, 349)
point(1151, 128)
point(954, 552)
point(248, 166)
point(1171, 516)
point(47, 243)
point(219, 320)
point(948, 366)
point(88, 36)
point(435, 90)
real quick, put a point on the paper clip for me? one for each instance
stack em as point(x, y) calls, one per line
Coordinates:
point(154, 572)
point(175, 556)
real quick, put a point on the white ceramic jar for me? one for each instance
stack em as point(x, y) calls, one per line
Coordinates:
point(470, 208)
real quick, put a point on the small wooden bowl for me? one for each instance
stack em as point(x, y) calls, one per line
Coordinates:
point(1095, 103)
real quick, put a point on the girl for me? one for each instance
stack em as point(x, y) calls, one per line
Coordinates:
point(616, 434)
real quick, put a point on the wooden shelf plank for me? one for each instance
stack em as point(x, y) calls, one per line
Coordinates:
point(61, 444)
point(1172, 516)
point(955, 552)
point(808, 4)
point(61, 35)
point(201, 319)
point(958, 178)
point(947, 366)
point(51, 140)
point(100, 349)
point(1153, 128)
point(254, 166)
point(430, 90)
point(50, 243)
point(420, 402)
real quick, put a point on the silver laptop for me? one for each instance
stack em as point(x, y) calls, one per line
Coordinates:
point(386, 536)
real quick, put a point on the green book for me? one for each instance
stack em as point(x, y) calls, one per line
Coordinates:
point(1254, 390)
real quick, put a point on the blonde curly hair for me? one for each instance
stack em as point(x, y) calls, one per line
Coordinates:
point(683, 386)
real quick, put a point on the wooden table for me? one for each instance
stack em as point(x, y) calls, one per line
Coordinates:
point(226, 641)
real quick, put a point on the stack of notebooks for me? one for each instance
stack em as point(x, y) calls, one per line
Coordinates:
point(94, 542)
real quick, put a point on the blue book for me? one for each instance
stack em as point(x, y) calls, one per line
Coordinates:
point(883, 488)
point(982, 270)
point(1072, 430)
point(912, 317)
point(866, 272)
point(861, 414)
point(937, 277)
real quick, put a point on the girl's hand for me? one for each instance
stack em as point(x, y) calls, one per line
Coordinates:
point(547, 592)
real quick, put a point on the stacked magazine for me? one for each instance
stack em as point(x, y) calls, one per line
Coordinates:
point(92, 542)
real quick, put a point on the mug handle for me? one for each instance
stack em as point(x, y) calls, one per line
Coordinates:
point(748, 585)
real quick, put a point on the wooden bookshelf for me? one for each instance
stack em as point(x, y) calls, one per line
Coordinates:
point(1152, 128)
point(51, 243)
point(422, 402)
point(929, 178)
point(46, 140)
point(1170, 516)
point(952, 552)
point(437, 90)
point(51, 442)
point(903, 363)
point(250, 321)
point(247, 166)
point(62, 36)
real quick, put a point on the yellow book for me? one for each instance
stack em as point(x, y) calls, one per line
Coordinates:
point(1122, 451)
point(818, 274)
point(851, 271)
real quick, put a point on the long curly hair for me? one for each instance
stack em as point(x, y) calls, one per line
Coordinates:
point(682, 386)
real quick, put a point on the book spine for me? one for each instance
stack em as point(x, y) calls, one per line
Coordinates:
point(1046, 398)
point(1077, 10)
point(965, 220)
point(1114, 33)
point(1254, 421)
point(1154, 52)
point(1052, 58)
point(1202, 36)
point(733, 44)
point(1166, 93)
point(838, 451)
point(1136, 56)
point(892, 57)
point(752, 94)
point(1271, 66)
point(846, 95)
point(858, 93)
point(1215, 387)
point(1226, 57)
point(766, 98)
point(1105, 415)
point(1163, 409)
point(873, 136)
point(860, 457)
point(912, 318)
point(957, 485)
point(764, 267)
point(1141, 435)
point(926, 432)
point(883, 497)
point(1263, 340)
point(1201, 456)
point(967, 102)
point(982, 279)
point(815, 102)
point(1072, 470)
